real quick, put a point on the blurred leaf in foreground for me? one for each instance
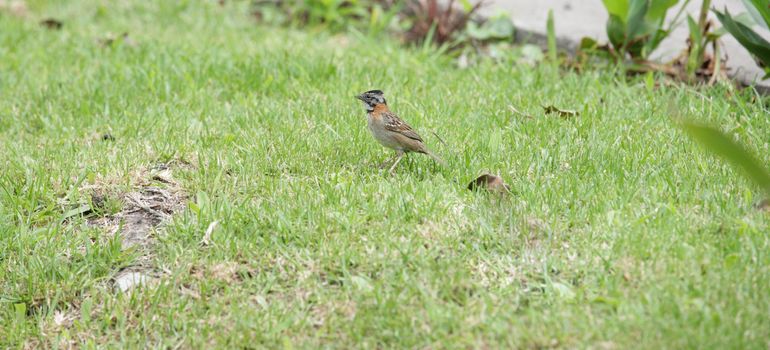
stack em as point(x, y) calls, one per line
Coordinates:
point(723, 146)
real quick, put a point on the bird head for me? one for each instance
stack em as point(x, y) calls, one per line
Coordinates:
point(372, 98)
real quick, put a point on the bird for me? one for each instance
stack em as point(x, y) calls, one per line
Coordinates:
point(390, 131)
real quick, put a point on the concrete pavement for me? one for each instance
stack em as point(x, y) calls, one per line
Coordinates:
point(575, 19)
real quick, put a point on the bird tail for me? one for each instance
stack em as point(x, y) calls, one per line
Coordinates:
point(435, 157)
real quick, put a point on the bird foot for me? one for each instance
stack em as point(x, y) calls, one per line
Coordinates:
point(385, 165)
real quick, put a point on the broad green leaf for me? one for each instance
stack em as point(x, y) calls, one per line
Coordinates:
point(657, 36)
point(636, 14)
point(639, 30)
point(744, 18)
point(695, 33)
point(750, 40)
point(659, 8)
point(756, 17)
point(617, 8)
point(723, 146)
point(759, 11)
point(616, 31)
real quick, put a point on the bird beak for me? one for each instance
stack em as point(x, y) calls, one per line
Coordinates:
point(360, 97)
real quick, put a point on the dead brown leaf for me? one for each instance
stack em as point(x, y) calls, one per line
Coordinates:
point(207, 236)
point(491, 183)
point(52, 23)
point(564, 113)
point(163, 176)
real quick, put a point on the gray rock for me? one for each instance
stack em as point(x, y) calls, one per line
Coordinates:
point(127, 280)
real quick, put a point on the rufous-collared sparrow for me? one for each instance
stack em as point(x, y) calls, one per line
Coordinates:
point(390, 130)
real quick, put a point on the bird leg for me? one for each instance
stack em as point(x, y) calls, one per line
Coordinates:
point(386, 163)
point(399, 156)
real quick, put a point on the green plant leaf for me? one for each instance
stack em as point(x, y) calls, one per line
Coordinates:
point(723, 146)
point(695, 57)
point(750, 40)
point(76, 211)
point(617, 8)
point(636, 14)
point(551, 31)
point(639, 30)
point(653, 43)
point(759, 11)
point(659, 8)
point(616, 31)
point(744, 18)
point(695, 33)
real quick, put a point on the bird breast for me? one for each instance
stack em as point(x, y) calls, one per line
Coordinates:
point(383, 136)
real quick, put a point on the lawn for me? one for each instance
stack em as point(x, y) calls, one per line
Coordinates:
point(620, 232)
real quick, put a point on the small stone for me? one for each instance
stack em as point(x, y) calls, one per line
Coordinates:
point(128, 280)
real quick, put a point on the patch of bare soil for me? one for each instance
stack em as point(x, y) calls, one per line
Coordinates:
point(157, 196)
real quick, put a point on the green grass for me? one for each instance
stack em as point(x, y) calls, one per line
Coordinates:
point(621, 233)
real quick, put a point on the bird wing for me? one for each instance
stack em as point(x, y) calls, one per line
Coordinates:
point(394, 123)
